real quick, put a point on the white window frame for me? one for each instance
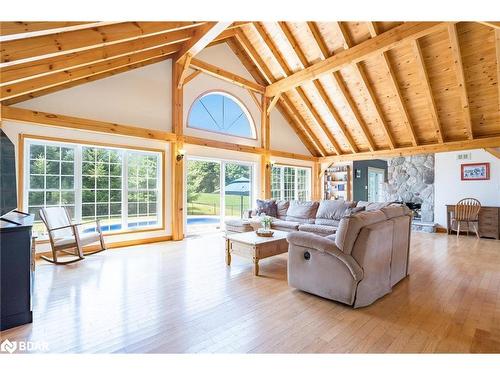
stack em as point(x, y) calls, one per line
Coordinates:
point(78, 154)
point(308, 189)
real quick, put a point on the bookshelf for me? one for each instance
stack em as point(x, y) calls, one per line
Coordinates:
point(337, 182)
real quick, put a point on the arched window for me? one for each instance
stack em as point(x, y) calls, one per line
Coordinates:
point(219, 112)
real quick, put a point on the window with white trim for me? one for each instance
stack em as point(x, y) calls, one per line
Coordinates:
point(291, 183)
point(120, 187)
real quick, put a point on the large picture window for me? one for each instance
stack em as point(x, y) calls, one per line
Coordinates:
point(291, 183)
point(220, 112)
point(120, 187)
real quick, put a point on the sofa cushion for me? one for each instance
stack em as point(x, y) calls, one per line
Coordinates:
point(238, 225)
point(267, 207)
point(282, 207)
point(285, 225)
point(302, 212)
point(322, 230)
point(331, 211)
point(350, 226)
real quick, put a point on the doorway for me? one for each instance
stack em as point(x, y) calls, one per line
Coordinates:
point(376, 177)
point(216, 190)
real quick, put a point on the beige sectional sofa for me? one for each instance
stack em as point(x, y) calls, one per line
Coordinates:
point(318, 217)
point(366, 257)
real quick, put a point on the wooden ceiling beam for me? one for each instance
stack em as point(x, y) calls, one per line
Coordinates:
point(395, 37)
point(497, 52)
point(56, 64)
point(17, 51)
point(201, 38)
point(305, 63)
point(192, 76)
point(460, 73)
point(303, 96)
point(77, 123)
point(358, 69)
point(324, 96)
point(252, 61)
point(391, 75)
point(41, 83)
point(495, 151)
point(226, 76)
point(470, 144)
point(77, 82)
point(495, 25)
point(23, 29)
point(424, 77)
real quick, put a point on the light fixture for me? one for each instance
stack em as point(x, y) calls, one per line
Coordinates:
point(180, 154)
point(270, 164)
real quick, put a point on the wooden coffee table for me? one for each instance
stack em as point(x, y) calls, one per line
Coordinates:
point(249, 245)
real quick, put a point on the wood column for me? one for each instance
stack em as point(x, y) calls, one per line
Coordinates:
point(265, 176)
point(265, 160)
point(316, 181)
point(177, 166)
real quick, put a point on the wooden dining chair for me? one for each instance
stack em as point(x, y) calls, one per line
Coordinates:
point(467, 211)
point(65, 236)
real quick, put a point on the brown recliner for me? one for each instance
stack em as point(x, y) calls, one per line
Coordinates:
point(360, 263)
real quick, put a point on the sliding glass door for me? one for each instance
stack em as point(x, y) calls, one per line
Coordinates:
point(216, 190)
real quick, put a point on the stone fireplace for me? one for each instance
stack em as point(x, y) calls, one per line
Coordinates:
point(410, 180)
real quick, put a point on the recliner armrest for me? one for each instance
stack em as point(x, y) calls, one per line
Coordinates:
point(325, 245)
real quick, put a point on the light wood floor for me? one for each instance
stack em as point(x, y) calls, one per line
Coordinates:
point(181, 297)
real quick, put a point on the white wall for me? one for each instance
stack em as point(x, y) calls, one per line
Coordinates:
point(141, 97)
point(449, 188)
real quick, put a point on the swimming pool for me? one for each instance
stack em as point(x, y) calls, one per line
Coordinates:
point(197, 220)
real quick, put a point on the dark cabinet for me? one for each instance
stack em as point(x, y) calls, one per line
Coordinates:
point(16, 271)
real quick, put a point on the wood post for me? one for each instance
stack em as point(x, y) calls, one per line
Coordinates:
point(316, 181)
point(265, 176)
point(177, 159)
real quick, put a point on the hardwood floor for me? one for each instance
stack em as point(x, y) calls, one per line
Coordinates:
point(181, 297)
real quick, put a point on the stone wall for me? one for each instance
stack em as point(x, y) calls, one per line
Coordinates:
point(411, 179)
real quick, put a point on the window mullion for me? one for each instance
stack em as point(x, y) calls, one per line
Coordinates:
point(78, 182)
point(125, 190)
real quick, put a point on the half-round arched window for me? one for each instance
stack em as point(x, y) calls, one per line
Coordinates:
point(220, 112)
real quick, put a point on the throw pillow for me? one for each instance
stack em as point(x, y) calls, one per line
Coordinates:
point(267, 207)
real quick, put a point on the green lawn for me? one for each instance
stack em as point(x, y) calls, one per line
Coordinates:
point(209, 204)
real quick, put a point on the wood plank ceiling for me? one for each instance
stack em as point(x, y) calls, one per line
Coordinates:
point(345, 87)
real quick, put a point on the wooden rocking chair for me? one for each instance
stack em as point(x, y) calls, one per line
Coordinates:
point(64, 236)
point(467, 210)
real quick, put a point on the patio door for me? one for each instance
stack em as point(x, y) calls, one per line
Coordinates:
point(216, 190)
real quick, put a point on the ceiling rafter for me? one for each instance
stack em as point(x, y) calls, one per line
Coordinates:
point(397, 90)
point(201, 38)
point(366, 84)
point(497, 53)
point(388, 40)
point(304, 63)
point(55, 64)
point(45, 82)
point(303, 96)
point(224, 75)
point(417, 50)
point(459, 71)
point(247, 54)
point(324, 96)
point(18, 51)
point(27, 29)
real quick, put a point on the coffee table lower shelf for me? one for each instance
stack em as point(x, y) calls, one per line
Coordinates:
point(251, 246)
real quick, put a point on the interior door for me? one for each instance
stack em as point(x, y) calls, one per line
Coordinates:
point(375, 184)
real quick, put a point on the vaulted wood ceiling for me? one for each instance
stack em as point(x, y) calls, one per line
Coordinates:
point(347, 88)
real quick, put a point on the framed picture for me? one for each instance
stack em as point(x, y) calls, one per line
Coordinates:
point(475, 171)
